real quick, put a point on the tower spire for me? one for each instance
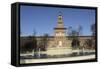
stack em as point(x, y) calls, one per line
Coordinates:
point(60, 13)
point(60, 20)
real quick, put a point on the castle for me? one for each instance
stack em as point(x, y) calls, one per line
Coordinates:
point(59, 43)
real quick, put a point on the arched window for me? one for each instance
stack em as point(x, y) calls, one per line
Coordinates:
point(60, 43)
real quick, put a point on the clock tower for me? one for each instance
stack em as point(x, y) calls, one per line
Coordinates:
point(60, 33)
point(59, 44)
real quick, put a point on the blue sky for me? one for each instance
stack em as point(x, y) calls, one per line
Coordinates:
point(44, 19)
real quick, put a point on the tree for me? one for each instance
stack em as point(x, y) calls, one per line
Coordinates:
point(80, 30)
point(34, 32)
point(30, 44)
point(88, 43)
point(43, 43)
point(93, 29)
point(75, 43)
point(75, 40)
point(69, 32)
point(73, 35)
point(34, 41)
